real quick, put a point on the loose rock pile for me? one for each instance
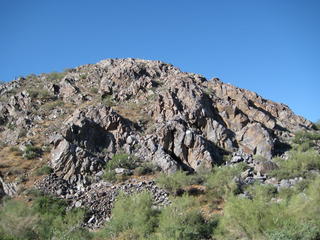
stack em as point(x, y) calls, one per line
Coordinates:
point(99, 198)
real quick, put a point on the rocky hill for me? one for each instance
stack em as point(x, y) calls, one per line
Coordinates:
point(74, 123)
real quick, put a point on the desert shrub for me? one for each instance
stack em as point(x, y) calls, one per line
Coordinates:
point(122, 160)
point(303, 136)
point(47, 218)
point(247, 219)
point(144, 169)
point(52, 105)
point(132, 216)
point(110, 175)
point(56, 76)
point(32, 152)
point(297, 217)
point(262, 191)
point(39, 93)
point(16, 151)
point(119, 160)
point(221, 181)
point(58, 223)
point(174, 182)
point(183, 220)
point(304, 141)
point(298, 164)
point(108, 100)
point(17, 221)
point(44, 170)
point(259, 158)
point(94, 90)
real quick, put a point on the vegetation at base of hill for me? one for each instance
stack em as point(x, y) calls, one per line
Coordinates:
point(135, 218)
point(298, 164)
point(265, 212)
point(46, 218)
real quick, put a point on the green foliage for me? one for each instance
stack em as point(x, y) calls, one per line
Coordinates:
point(110, 175)
point(119, 160)
point(108, 100)
point(144, 169)
point(304, 141)
point(298, 164)
point(294, 218)
point(94, 90)
point(221, 182)
point(132, 215)
point(16, 151)
point(174, 182)
point(39, 93)
point(17, 221)
point(56, 76)
point(46, 219)
point(183, 220)
point(44, 170)
point(122, 160)
point(32, 152)
point(259, 158)
point(52, 105)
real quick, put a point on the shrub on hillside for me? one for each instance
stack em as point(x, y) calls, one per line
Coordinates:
point(17, 221)
point(174, 182)
point(294, 218)
point(132, 217)
point(183, 220)
point(32, 152)
point(298, 164)
point(221, 182)
point(305, 141)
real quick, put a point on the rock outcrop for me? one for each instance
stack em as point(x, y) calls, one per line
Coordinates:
point(148, 109)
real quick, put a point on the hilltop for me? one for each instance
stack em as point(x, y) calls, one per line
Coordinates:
point(89, 133)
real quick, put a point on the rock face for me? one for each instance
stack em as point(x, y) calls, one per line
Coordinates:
point(193, 121)
point(148, 109)
point(9, 189)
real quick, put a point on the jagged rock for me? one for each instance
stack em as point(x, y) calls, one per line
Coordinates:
point(9, 189)
point(265, 167)
point(70, 161)
point(255, 139)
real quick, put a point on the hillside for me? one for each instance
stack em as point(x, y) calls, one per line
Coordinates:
point(160, 137)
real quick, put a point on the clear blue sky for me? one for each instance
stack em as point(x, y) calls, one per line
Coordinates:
point(269, 46)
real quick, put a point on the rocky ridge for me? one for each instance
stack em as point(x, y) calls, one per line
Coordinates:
point(148, 109)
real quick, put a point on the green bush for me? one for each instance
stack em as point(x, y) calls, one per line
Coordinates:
point(174, 182)
point(132, 215)
point(110, 175)
point(144, 169)
point(298, 164)
point(58, 223)
point(17, 221)
point(32, 152)
point(16, 151)
point(183, 220)
point(220, 182)
point(294, 218)
point(122, 160)
point(304, 141)
point(44, 170)
point(56, 76)
point(52, 105)
point(39, 93)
